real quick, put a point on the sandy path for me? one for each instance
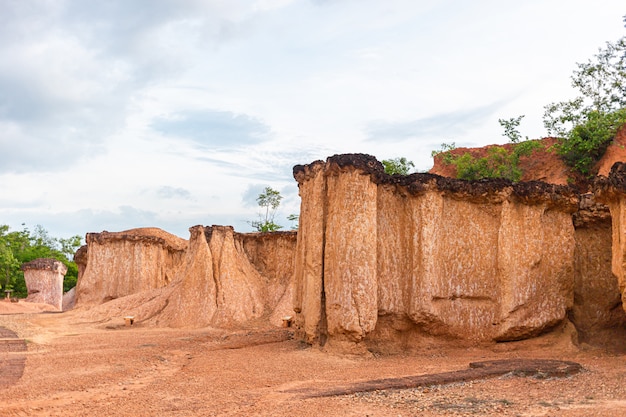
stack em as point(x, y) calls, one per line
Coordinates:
point(76, 369)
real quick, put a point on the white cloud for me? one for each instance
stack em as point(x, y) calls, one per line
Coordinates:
point(167, 113)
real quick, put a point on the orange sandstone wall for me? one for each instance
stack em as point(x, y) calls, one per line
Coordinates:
point(44, 281)
point(123, 263)
point(217, 278)
point(611, 190)
point(478, 261)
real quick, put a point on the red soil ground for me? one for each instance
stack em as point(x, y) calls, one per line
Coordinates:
point(77, 368)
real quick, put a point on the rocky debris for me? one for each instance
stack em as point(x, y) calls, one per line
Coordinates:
point(537, 368)
point(45, 264)
point(44, 281)
point(591, 212)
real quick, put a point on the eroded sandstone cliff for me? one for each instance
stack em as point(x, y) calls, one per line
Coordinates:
point(217, 278)
point(487, 260)
point(611, 190)
point(383, 260)
point(124, 263)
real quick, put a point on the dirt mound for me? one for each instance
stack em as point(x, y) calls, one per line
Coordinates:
point(544, 164)
point(23, 307)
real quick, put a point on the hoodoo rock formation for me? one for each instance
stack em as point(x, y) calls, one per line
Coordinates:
point(44, 281)
point(124, 263)
point(597, 312)
point(487, 260)
point(612, 191)
point(218, 278)
point(384, 262)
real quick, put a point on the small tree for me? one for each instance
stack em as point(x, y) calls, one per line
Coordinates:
point(294, 218)
point(400, 166)
point(269, 199)
point(511, 128)
point(588, 123)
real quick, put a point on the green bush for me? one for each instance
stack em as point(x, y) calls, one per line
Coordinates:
point(587, 142)
point(498, 163)
point(588, 123)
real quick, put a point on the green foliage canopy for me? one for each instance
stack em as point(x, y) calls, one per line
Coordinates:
point(18, 247)
point(269, 200)
point(399, 165)
point(588, 123)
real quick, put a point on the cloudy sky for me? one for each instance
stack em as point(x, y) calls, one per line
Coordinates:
point(170, 113)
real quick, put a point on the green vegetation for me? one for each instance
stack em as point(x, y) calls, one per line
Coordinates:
point(444, 151)
point(499, 162)
point(511, 128)
point(294, 218)
point(23, 246)
point(585, 125)
point(269, 200)
point(400, 166)
point(588, 123)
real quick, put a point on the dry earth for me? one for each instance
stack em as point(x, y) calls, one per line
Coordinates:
point(74, 368)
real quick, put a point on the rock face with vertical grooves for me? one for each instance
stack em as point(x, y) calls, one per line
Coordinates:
point(44, 281)
point(611, 190)
point(485, 260)
point(383, 260)
point(217, 278)
point(597, 312)
point(123, 263)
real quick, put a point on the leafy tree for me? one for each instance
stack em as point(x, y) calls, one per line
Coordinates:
point(510, 128)
point(269, 200)
point(400, 166)
point(294, 218)
point(23, 246)
point(588, 123)
point(444, 151)
point(9, 265)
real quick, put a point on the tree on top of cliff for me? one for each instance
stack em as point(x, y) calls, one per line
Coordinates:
point(400, 166)
point(269, 200)
point(588, 123)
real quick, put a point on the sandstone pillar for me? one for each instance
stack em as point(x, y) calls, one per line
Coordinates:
point(194, 302)
point(484, 260)
point(44, 281)
point(336, 255)
point(612, 192)
point(350, 257)
point(535, 260)
point(308, 299)
point(124, 263)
